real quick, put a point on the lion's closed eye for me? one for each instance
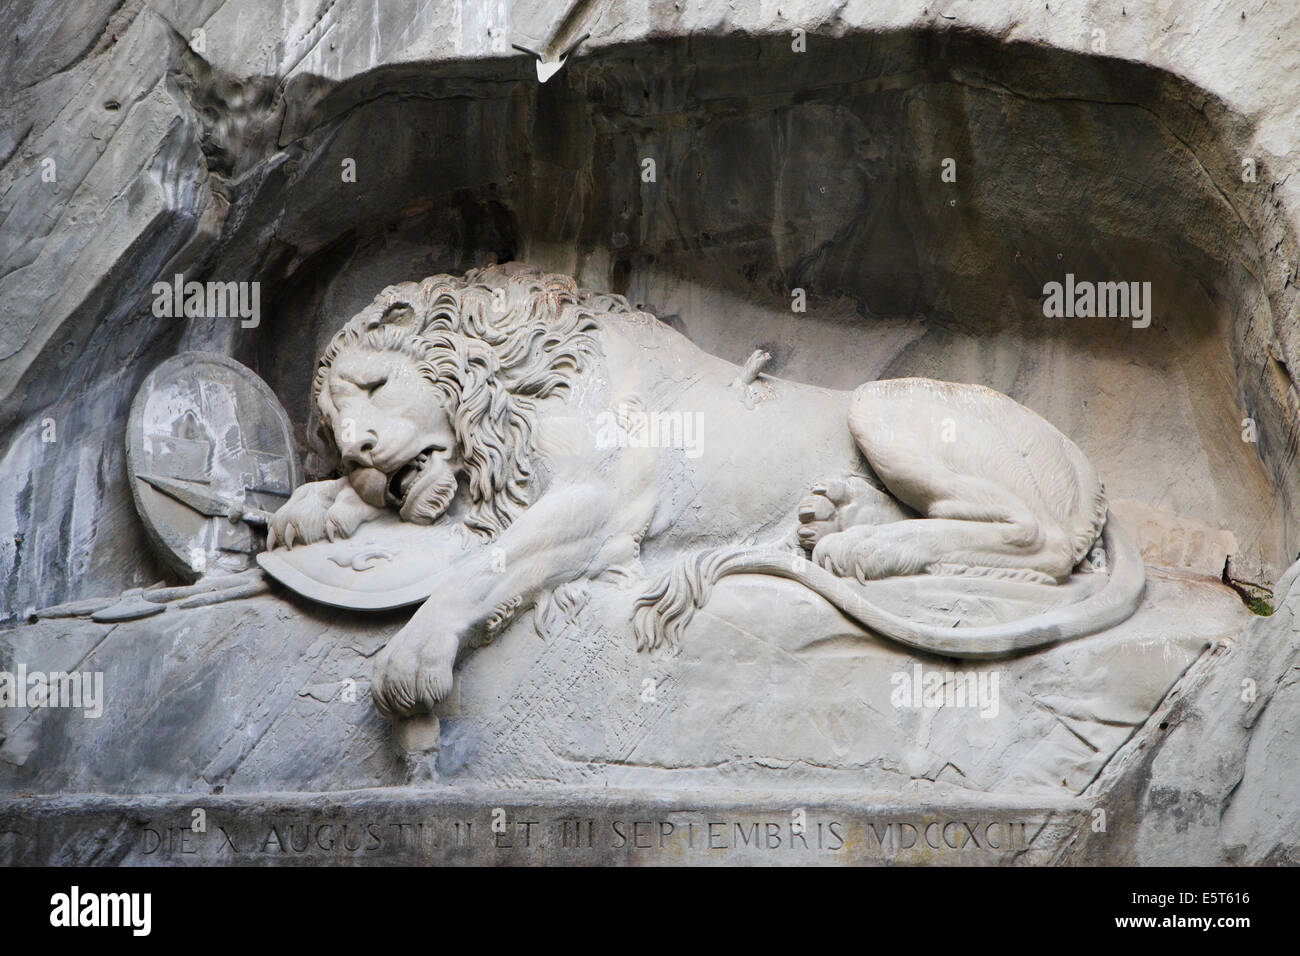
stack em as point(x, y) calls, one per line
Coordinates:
point(367, 386)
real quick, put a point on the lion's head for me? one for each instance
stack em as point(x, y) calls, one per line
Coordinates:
point(440, 378)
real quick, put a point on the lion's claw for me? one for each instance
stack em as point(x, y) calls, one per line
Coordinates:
point(303, 519)
point(412, 673)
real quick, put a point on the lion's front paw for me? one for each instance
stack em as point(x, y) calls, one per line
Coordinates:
point(413, 673)
point(302, 519)
point(347, 514)
point(839, 505)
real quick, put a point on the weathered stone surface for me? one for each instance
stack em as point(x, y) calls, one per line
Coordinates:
point(1195, 785)
point(193, 695)
point(1168, 540)
point(250, 696)
point(1212, 779)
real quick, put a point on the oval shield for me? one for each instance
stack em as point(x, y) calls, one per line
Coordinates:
point(207, 440)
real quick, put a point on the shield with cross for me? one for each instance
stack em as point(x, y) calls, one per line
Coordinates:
point(211, 453)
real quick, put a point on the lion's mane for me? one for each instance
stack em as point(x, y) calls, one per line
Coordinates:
point(493, 343)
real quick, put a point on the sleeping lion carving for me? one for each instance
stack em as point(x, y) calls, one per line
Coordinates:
point(556, 413)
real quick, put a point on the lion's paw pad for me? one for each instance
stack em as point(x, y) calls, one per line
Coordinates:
point(832, 506)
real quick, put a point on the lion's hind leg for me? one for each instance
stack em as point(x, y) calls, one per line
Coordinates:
point(978, 528)
point(983, 472)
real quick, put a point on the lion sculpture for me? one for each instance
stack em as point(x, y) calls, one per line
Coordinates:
point(531, 397)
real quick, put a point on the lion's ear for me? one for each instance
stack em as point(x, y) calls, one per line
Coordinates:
point(399, 314)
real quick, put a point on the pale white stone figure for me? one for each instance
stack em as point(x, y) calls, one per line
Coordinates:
point(508, 380)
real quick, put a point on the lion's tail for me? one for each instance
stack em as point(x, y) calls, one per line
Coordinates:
point(663, 614)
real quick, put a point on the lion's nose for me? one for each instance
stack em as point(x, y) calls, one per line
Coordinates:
point(360, 452)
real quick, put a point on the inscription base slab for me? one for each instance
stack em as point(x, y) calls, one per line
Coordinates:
point(455, 827)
